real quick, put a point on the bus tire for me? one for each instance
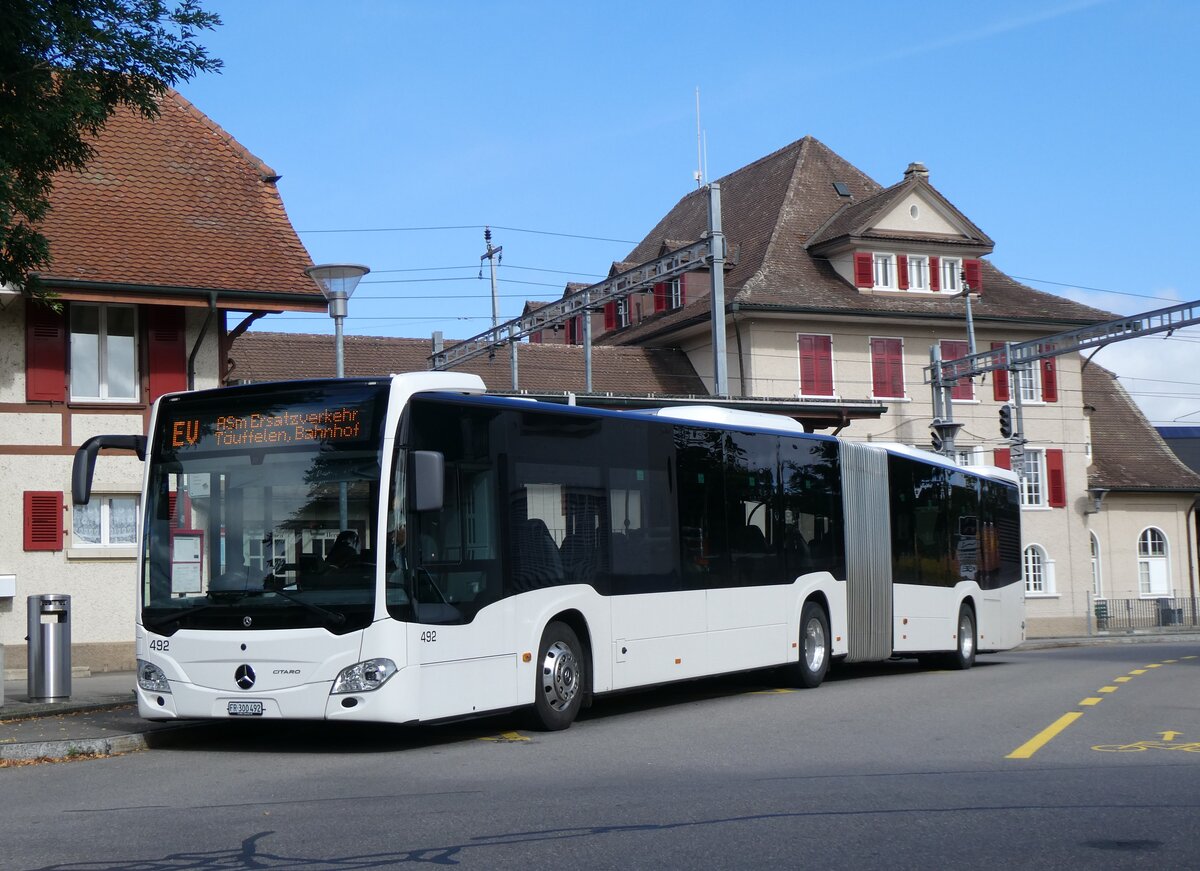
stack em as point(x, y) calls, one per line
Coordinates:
point(810, 669)
point(963, 656)
point(561, 673)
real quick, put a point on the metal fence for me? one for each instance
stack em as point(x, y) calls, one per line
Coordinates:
point(1127, 615)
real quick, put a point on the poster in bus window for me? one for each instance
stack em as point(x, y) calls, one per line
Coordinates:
point(187, 554)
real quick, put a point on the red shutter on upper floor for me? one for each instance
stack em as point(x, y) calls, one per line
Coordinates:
point(864, 270)
point(43, 520)
point(536, 338)
point(887, 368)
point(902, 271)
point(660, 297)
point(1002, 457)
point(935, 274)
point(1055, 478)
point(816, 366)
point(1049, 380)
point(610, 315)
point(963, 388)
point(1000, 379)
point(166, 350)
point(974, 274)
point(45, 354)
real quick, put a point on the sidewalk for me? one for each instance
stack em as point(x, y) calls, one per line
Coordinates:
point(101, 718)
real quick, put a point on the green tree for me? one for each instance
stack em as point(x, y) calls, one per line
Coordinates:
point(65, 67)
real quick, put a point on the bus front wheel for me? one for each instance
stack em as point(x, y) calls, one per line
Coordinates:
point(810, 670)
point(560, 678)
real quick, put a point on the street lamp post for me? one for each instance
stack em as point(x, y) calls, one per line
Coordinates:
point(337, 282)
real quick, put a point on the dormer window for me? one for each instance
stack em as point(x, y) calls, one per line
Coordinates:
point(951, 269)
point(885, 272)
point(918, 272)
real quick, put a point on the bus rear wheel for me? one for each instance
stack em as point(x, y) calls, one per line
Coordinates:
point(964, 655)
point(810, 670)
point(559, 692)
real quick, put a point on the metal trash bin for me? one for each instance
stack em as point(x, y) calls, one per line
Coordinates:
point(49, 669)
point(1168, 614)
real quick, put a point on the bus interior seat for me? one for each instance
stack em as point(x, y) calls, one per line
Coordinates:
point(536, 559)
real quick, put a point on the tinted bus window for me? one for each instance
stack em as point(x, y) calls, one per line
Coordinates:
point(812, 535)
point(752, 508)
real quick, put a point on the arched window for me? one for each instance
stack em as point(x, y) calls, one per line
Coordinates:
point(1039, 572)
point(1097, 580)
point(1154, 575)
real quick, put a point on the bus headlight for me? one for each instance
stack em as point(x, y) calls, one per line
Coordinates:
point(151, 678)
point(363, 677)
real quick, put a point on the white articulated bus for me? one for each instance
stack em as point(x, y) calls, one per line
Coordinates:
point(407, 549)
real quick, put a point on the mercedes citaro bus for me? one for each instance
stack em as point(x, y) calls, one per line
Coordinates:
point(408, 549)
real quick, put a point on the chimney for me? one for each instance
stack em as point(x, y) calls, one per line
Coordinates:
point(916, 168)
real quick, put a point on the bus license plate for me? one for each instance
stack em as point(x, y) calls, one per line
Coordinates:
point(245, 709)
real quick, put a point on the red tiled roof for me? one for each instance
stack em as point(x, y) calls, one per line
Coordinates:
point(1127, 452)
point(266, 356)
point(174, 202)
point(773, 207)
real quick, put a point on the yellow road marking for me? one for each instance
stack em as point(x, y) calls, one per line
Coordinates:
point(1034, 744)
point(1094, 700)
point(1189, 657)
point(506, 738)
point(1154, 665)
point(1107, 689)
point(1170, 660)
point(773, 692)
point(1122, 679)
point(1169, 736)
point(1138, 671)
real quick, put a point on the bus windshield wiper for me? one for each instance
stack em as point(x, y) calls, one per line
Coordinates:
point(334, 617)
point(165, 623)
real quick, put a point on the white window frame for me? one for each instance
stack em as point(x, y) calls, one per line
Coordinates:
point(1145, 555)
point(918, 267)
point(106, 548)
point(622, 312)
point(972, 456)
point(951, 280)
point(1028, 381)
point(883, 266)
point(1097, 567)
point(1044, 565)
point(1034, 486)
point(102, 357)
point(674, 293)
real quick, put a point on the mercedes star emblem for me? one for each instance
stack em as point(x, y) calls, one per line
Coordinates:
point(244, 676)
point(246, 621)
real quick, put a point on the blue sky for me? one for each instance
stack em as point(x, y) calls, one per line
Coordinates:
point(1065, 130)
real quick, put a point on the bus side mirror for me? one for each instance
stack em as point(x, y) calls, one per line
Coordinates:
point(84, 466)
point(428, 471)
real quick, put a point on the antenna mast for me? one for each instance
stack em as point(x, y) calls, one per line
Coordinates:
point(699, 173)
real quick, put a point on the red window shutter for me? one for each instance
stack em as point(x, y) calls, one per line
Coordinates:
point(902, 271)
point(610, 315)
point(887, 370)
point(166, 350)
point(45, 354)
point(1049, 380)
point(1055, 478)
point(963, 388)
point(536, 338)
point(1002, 457)
point(816, 366)
point(935, 274)
point(864, 270)
point(974, 272)
point(43, 520)
point(660, 297)
point(176, 520)
point(1000, 379)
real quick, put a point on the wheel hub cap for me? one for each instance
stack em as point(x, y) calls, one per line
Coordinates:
point(560, 676)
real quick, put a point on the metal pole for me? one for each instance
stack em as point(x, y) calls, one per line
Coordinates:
point(716, 243)
point(587, 342)
point(970, 322)
point(491, 255)
point(338, 350)
point(512, 353)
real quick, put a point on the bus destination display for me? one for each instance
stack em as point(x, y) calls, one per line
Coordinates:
point(335, 423)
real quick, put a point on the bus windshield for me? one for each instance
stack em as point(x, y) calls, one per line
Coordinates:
point(261, 509)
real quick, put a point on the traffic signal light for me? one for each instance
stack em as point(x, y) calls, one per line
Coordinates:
point(1006, 421)
point(935, 439)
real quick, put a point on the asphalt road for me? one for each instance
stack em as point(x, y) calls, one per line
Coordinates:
point(1039, 759)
